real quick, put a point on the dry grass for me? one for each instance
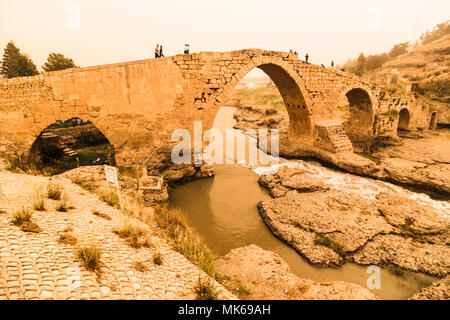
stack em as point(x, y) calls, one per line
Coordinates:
point(54, 190)
point(320, 240)
point(87, 184)
point(61, 205)
point(205, 289)
point(185, 240)
point(30, 227)
point(111, 197)
point(21, 216)
point(140, 266)
point(157, 258)
point(243, 290)
point(133, 207)
point(90, 255)
point(67, 238)
point(101, 215)
point(135, 235)
point(38, 197)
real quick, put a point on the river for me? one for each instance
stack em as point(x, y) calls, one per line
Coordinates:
point(224, 212)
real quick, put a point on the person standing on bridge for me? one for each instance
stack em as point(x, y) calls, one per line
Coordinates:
point(306, 57)
point(157, 51)
point(161, 51)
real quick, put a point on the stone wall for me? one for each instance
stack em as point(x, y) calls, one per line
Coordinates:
point(137, 105)
point(79, 136)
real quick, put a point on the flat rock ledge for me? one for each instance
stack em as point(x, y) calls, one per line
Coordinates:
point(265, 275)
point(329, 227)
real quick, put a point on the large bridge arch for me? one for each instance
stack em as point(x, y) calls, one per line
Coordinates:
point(292, 89)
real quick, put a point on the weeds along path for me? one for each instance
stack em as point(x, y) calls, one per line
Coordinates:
point(45, 265)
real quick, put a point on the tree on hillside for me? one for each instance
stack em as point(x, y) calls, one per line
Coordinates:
point(16, 64)
point(57, 61)
point(439, 31)
point(361, 65)
point(376, 61)
point(399, 49)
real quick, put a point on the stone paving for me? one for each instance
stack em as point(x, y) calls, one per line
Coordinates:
point(37, 266)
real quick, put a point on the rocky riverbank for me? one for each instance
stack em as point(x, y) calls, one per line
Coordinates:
point(420, 164)
point(439, 290)
point(255, 273)
point(330, 227)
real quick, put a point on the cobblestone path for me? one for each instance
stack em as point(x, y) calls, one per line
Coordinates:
point(37, 266)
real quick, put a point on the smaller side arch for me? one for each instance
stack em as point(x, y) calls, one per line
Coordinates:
point(433, 121)
point(404, 119)
point(62, 142)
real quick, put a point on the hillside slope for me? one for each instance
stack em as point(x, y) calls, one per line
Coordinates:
point(425, 68)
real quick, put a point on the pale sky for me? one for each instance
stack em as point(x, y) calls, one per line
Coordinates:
point(109, 31)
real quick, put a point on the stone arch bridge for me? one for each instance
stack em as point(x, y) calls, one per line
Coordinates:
point(138, 104)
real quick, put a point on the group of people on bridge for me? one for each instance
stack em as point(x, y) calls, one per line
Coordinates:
point(159, 50)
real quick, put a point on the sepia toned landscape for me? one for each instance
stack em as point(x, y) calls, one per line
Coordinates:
point(234, 174)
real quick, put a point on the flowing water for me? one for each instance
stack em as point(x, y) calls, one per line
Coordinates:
point(224, 212)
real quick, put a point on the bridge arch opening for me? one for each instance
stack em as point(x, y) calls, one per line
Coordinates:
point(283, 94)
point(65, 145)
point(403, 120)
point(360, 118)
point(433, 121)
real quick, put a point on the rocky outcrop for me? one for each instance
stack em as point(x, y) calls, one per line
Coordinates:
point(337, 223)
point(255, 273)
point(406, 253)
point(439, 290)
point(434, 178)
point(413, 218)
point(329, 227)
point(287, 179)
point(250, 117)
